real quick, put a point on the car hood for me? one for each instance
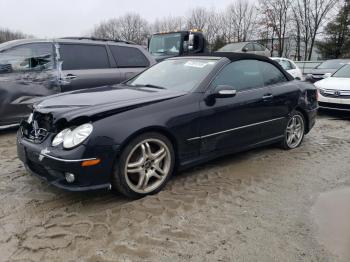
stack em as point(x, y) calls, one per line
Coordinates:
point(101, 101)
point(336, 83)
point(317, 71)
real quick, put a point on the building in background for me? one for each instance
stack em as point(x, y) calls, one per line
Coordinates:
point(289, 49)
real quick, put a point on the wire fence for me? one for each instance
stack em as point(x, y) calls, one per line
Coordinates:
point(307, 66)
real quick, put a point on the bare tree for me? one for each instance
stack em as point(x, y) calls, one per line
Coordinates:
point(319, 12)
point(8, 35)
point(169, 24)
point(214, 27)
point(130, 27)
point(277, 13)
point(297, 35)
point(134, 28)
point(240, 21)
point(209, 21)
point(310, 16)
point(198, 18)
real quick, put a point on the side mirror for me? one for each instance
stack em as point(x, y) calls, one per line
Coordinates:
point(224, 91)
point(245, 49)
point(185, 46)
point(221, 91)
point(191, 42)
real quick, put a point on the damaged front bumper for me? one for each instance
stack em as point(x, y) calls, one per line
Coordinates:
point(52, 167)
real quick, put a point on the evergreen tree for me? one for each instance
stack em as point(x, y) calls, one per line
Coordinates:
point(218, 43)
point(337, 40)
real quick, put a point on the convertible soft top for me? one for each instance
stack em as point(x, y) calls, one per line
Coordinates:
point(243, 56)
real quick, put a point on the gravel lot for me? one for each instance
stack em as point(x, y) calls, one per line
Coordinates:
point(263, 205)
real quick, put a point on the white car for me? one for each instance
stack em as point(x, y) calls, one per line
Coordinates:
point(290, 67)
point(334, 91)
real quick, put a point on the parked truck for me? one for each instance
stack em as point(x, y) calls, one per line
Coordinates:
point(169, 44)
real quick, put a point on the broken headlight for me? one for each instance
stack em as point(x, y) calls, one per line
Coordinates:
point(72, 138)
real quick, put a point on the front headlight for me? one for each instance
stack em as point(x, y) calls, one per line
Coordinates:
point(60, 136)
point(72, 138)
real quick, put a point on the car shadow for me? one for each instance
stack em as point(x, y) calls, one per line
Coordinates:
point(92, 198)
point(334, 114)
point(8, 131)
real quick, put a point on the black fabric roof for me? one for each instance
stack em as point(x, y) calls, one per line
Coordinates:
point(245, 56)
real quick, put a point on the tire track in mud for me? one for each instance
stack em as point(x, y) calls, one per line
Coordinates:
point(232, 207)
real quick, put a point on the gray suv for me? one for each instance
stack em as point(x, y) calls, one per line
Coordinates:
point(246, 47)
point(35, 68)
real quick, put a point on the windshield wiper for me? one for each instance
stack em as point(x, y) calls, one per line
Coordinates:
point(154, 86)
point(146, 85)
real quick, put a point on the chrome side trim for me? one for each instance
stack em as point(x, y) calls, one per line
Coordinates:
point(334, 108)
point(234, 129)
point(67, 160)
point(8, 126)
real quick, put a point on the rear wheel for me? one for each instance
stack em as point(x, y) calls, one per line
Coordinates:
point(295, 131)
point(145, 166)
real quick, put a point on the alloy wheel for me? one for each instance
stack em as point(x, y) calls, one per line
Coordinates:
point(147, 165)
point(295, 131)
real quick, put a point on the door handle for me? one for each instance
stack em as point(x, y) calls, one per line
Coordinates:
point(70, 77)
point(267, 97)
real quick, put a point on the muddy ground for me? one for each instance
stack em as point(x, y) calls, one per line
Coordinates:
point(263, 205)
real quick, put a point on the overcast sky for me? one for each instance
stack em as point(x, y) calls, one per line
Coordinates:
point(57, 18)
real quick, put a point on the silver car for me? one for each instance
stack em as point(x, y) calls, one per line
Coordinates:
point(30, 69)
point(246, 47)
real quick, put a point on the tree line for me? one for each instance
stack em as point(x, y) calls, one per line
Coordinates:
point(8, 35)
point(289, 28)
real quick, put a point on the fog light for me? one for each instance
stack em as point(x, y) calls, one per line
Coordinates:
point(70, 177)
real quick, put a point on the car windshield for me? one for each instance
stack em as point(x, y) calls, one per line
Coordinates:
point(165, 44)
point(175, 74)
point(232, 47)
point(332, 64)
point(343, 72)
point(285, 64)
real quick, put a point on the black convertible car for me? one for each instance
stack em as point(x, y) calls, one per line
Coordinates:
point(180, 112)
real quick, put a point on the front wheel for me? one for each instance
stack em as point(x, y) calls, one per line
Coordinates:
point(144, 166)
point(294, 131)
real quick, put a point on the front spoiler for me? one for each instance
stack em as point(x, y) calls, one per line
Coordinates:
point(53, 168)
point(72, 188)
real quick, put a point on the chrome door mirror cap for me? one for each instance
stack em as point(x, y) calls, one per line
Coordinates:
point(223, 91)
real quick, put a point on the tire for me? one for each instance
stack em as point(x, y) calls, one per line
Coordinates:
point(296, 129)
point(144, 166)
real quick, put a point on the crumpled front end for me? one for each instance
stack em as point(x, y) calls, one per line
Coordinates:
point(77, 169)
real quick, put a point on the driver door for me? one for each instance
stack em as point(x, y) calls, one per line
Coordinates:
point(235, 122)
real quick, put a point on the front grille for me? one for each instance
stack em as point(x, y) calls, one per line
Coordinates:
point(343, 94)
point(317, 76)
point(39, 127)
point(44, 120)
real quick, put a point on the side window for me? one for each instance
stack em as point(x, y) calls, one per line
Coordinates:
point(241, 75)
point(258, 47)
point(80, 56)
point(272, 75)
point(27, 57)
point(292, 65)
point(286, 65)
point(249, 47)
point(128, 56)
